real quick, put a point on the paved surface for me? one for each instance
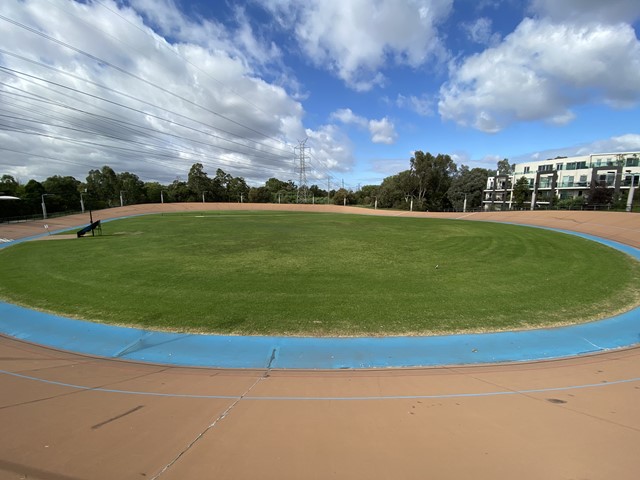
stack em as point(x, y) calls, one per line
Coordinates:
point(68, 416)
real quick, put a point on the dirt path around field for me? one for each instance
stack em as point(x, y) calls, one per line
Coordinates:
point(617, 226)
point(66, 416)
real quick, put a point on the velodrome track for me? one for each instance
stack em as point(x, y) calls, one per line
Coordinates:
point(69, 416)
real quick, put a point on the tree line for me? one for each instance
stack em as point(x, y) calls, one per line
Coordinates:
point(432, 183)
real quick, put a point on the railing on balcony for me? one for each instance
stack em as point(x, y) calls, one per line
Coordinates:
point(572, 184)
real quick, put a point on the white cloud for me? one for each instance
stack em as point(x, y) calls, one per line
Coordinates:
point(357, 39)
point(623, 143)
point(209, 105)
point(540, 71)
point(422, 105)
point(610, 11)
point(331, 149)
point(346, 116)
point(389, 166)
point(629, 142)
point(382, 131)
point(480, 32)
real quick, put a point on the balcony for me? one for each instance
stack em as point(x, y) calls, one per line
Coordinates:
point(572, 184)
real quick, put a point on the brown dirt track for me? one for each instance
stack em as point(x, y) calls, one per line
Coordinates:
point(566, 419)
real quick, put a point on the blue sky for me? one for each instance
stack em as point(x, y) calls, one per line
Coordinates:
point(153, 86)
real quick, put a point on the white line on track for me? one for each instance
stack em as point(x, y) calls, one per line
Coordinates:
point(292, 398)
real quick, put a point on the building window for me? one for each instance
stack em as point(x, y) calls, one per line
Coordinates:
point(558, 166)
point(633, 161)
point(580, 165)
point(545, 168)
point(571, 166)
point(526, 169)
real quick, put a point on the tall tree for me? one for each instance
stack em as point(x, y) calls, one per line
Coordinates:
point(433, 176)
point(8, 185)
point(521, 192)
point(220, 185)
point(152, 192)
point(259, 195)
point(102, 188)
point(132, 188)
point(198, 181)
point(12, 208)
point(65, 194)
point(396, 190)
point(600, 194)
point(469, 183)
point(237, 190)
point(180, 192)
point(32, 197)
point(505, 168)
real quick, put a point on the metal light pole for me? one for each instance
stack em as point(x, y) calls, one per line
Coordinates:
point(631, 191)
point(121, 198)
point(44, 207)
point(161, 196)
point(82, 201)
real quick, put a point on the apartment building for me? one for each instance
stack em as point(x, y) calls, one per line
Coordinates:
point(566, 178)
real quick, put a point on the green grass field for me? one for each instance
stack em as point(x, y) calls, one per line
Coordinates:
point(320, 274)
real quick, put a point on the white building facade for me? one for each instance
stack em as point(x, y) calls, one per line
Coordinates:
point(561, 179)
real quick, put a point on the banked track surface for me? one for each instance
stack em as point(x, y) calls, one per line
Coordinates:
point(69, 416)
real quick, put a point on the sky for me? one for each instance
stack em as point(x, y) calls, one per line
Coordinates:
point(349, 88)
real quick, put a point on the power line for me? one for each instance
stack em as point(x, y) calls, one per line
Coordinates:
point(302, 193)
point(172, 122)
point(119, 128)
point(130, 74)
point(174, 52)
point(142, 130)
point(131, 97)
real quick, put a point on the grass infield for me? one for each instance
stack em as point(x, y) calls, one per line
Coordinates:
point(320, 274)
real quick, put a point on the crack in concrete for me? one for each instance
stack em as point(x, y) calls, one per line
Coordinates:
point(210, 426)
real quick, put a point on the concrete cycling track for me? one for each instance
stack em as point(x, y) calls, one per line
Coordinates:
point(66, 415)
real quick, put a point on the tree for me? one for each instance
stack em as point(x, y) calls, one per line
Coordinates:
point(32, 197)
point(395, 190)
point(237, 189)
point(259, 195)
point(521, 192)
point(102, 187)
point(132, 188)
point(470, 183)
point(65, 191)
point(317, 193)
point(341, 195)
point(599, 194)
point(433, 176)
point(152, 192)
point(505, 168)
point(9, 186)
point(198, 181)
point(367, 195)
point(220, 185)
point(180, 192)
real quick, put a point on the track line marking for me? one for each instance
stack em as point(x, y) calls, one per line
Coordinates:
point(293, 398)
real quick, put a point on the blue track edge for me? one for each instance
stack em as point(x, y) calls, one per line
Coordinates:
point(225, 351)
